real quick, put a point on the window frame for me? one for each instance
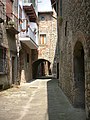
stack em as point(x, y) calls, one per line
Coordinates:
point(45, 40)
point(3, 61)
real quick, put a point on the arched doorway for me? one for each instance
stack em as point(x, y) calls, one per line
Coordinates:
point(41, 67)
point(79, 76)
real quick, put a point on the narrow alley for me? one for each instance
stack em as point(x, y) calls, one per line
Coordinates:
point(44, 59)
point(40, 99)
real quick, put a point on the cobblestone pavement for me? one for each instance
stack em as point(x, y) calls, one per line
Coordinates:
point(41, 99)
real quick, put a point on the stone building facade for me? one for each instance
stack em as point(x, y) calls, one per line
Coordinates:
point(8, 43)
point(28, 39)
point(27, 56)
point(74, 51)
point(47, 41)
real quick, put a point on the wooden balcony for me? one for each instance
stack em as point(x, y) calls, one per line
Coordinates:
point(12, 23)
point(2, 13)
point(30, 11)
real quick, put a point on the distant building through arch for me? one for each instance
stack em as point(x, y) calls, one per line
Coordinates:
point(41, 68)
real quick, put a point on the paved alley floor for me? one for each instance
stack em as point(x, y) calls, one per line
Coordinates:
point(40, 99)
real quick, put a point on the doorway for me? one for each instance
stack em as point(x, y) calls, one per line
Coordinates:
point(13, 70)
point(79, 76)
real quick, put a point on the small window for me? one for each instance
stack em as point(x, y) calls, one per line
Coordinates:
point(42, 18)
point(2, 60)
point(66, 28)
point(43, 39)
point(27, 58)
point(33, 2)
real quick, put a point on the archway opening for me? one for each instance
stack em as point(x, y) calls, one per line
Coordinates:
point(41, 68)
point(79, 76)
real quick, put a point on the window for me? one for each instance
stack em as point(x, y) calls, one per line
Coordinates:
point(66, 28)
point(33, 2)
point(20, 17)
point(30, 1)
point(43, 39)
point(2, 60)
point(27, 1)
point(42, 18)
point(27, 58)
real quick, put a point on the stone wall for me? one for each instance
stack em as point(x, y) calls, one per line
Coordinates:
point(4, 77)
point(74, 28)
point(27, 57)
point(25, 65)
point(48, 26)
point(8, 42)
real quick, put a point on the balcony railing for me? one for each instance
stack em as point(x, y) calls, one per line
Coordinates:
point(12, 23)
point(2, 12)
point(28, 34)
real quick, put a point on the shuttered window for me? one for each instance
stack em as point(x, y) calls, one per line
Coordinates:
point(43, 39)
point(2, 60)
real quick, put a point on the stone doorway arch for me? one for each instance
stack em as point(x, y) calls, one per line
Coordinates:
point(79, 76)
point(41, 68)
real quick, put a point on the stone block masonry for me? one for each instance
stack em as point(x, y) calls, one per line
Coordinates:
point(74, 45)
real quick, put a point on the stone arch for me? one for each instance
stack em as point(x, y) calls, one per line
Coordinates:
point(79, 75)
point(41, 67)
point(79, 36)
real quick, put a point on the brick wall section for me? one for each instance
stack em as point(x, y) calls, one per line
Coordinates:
point(77, 15)
point(48, 27)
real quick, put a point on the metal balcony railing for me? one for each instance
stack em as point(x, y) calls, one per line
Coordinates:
point(28, 34)
point(2, 12)
point(31, 34)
